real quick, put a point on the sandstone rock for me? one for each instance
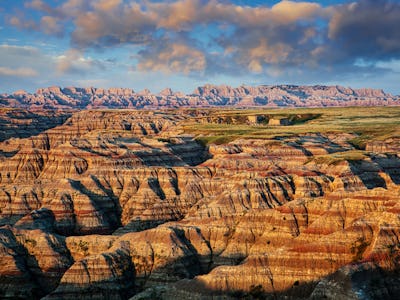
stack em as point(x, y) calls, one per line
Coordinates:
point(270, 96)
point(32, 260)
point(106, 276)
point(113, 203)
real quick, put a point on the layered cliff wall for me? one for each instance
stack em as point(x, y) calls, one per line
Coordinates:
point(205, 96)
point(120, 204)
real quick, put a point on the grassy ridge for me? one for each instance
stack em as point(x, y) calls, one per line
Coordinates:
point(335, 158)
point(367, 123)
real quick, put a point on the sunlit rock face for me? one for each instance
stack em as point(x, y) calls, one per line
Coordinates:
point(208, 95)
point(125, 204)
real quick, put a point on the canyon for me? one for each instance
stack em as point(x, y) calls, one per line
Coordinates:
point(208, 95)
point(200, 203)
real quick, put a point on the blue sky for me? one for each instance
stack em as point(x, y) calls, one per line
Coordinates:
point(186, 43)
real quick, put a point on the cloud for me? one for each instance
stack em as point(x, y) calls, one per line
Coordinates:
point(19, 72)
point(290, 11)
point(29, 61)
point(177, 15)
point(184, 14)
point(73, 61)
point(204, 38)
point(104, 23)
point(44, 7)
point(31, 67)
point(178, 58)
point(75, 7)
point(12, 54)
point(39, 5)
point(264, 53)
point(23, 24)
point(367, 29)
point(50, 25)
point(21, 66)
point(107, 5)
point(123, 24)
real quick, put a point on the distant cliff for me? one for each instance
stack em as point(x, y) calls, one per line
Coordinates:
point(208, 95)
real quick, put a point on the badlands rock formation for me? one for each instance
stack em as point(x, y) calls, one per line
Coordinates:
point(22, 123)
point(208, 95)
point(124, 204)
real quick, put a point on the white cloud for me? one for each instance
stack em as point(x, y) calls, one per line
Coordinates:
point(275, 41)
point(19, 72)
point(29, 67)
point(178, 58)
point(74, 61)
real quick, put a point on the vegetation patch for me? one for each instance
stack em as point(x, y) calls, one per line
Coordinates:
point(83, 246)
point(359, 143)
point(217, 140)
point(32, 242)
point(335, 158)
point(366, 123)
point(358, 248)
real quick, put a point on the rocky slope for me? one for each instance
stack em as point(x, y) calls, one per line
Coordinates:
point(122, 204)
point(208, 95)
point(23, 123)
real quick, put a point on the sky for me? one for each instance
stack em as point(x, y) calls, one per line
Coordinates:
point(183, 44)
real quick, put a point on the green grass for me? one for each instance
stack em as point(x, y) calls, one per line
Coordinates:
point(359, 142)
point(366, 123)
point(335, 158)
point(217, 140)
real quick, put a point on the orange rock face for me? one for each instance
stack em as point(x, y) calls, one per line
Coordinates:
point(209, 95)
point(121, 204)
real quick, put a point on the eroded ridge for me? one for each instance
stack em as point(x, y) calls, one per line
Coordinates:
point(175, 205)
point(204, 96)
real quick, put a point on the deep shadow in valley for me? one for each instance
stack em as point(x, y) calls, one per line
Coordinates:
point(20, 123)
point(362, 281)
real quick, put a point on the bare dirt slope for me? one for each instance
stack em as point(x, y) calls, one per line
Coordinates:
point(198, 204)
